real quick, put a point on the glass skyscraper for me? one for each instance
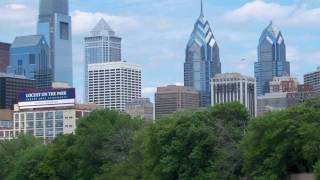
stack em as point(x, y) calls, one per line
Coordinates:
point(202, 60)
point(271, 58)
point(54, 24)
point(29, 56)
point(101, 46)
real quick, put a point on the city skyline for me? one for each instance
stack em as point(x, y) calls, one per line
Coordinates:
point(153, 51)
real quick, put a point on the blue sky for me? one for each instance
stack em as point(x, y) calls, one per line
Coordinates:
point(155, 33)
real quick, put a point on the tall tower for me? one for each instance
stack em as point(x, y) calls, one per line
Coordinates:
point(101, 46)
point(272, 60)
point(202, 59)
point(54, 24)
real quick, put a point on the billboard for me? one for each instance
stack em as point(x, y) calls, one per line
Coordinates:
point(46, 98)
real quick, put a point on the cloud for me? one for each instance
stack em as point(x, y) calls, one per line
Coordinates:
point(17, 15)
point(261, 11)
point(83, 22)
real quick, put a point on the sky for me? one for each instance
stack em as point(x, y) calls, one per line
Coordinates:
point(155, 32)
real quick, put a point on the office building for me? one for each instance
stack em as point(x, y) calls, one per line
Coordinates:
point(48, 113)
point(171, 99)
point(313, 79)
point(283, 84)
point(54, 23)
point(10, 85)
point(282, 100)
point(140, 108)
point(101, 46)
point(6, 124)
point(112, 85)
point(272, 61)
point(29, 56)
point(202, 59)
point(4, 56)
point(234, 87)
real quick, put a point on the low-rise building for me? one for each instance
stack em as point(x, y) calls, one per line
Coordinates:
point(282, 100)
point(313, 79)
point(6, 124)
point(46, 114)
point(140, 107)
point(171, 99)
point(234, 87)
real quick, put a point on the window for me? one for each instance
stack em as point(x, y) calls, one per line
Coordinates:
point(64, 31)
point(32, 59)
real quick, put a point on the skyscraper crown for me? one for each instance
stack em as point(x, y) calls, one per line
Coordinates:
point(50, 7)
point(102, 29)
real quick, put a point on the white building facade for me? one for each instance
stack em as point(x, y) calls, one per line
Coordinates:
point(234, 87)
point(112, 85)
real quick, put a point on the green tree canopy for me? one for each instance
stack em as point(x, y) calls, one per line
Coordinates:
point(283, 142)
point(201, 145)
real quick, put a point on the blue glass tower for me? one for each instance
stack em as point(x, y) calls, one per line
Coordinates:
point(54, 24)
point(202, 59)
point(272, 60)
point(29, 56)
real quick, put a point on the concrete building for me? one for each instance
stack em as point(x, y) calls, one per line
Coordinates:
point(4, 56)
point(46, 114)
point(54, 23)
point(6, 124)
point(29, 56)
point(271, 102)
point(101, 46)
point(171, 99)
point(10, 85)
point(282, 100)
point(313, 79)
point(283, 84)
point(272, 59)
point(141, 108)
point(202, 59)
point(234, 87)
point(112, 85)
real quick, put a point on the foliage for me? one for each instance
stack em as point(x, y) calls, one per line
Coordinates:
point(283, 142)
point(10, 150)
point(200, 145)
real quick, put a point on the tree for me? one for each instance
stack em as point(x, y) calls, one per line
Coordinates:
point(103, 139)
point(283, 142)
point(201, 145)
point(11, 149)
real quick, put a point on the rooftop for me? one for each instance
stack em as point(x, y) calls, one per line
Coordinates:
point(27, 41)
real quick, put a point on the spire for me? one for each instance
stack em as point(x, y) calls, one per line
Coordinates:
point(201, 12)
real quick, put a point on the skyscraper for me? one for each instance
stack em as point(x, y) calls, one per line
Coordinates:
point(272, 60)
point(54, 24)
point(29, 56)
point(4, 56)
point(202, 59)
point(112, 85)
point(101, 46)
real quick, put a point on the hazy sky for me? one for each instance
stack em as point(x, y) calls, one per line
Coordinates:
point(155, 32)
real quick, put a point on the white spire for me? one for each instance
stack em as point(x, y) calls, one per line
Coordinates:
point(102, 29)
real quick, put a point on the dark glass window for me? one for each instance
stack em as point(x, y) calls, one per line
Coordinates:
point(32, 59)
point(64, 31)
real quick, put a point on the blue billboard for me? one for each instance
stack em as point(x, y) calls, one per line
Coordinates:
point(46, 98)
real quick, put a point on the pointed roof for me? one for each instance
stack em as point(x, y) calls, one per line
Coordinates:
point(272, 29)
point(102, 29)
